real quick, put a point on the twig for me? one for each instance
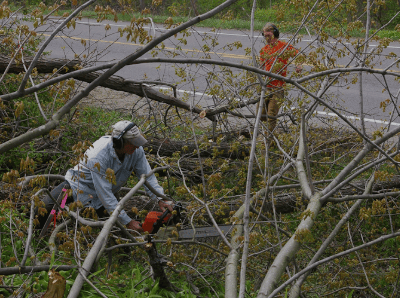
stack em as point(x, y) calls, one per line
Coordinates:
point(362, 265)
point(45, 44)
point(33, 84)
point(52, 239)
point(12, 240)
point(30, 231)
point(92, 285)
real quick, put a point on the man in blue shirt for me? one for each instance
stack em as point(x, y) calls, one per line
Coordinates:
point(106, 167)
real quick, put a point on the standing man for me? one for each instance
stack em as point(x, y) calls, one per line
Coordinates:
point(274, 58)
point(105, 168)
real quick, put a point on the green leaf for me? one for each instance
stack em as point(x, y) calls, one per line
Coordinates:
point(97, 272)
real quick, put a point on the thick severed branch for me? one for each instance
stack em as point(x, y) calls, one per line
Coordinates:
point(44, 67)
point(301, 171)
point(295, 290)
point(303, 143)
point(293, 245)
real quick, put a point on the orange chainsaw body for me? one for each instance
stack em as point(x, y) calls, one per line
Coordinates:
point(151, 218)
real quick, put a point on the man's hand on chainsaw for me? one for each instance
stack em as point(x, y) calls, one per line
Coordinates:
point(165, 204)
point(134, 225)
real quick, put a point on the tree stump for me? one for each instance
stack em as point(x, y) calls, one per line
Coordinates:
point(56, 285)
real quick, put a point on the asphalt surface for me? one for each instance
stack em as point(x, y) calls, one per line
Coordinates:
point(90, 41)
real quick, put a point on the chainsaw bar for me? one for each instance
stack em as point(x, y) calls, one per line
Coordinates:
point(204, 232)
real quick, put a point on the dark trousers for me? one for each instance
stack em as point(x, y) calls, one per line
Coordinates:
point(58, 195)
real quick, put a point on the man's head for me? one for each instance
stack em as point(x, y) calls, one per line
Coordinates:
point(126, 135)
point(270, 31)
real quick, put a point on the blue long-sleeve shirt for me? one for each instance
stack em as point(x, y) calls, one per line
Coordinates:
point(88, 178)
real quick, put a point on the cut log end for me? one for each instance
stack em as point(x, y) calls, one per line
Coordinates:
point(56, 285)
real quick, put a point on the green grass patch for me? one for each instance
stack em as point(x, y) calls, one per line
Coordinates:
point(261, 16)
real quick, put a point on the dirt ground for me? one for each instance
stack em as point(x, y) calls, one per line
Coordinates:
point(111, 99)
point(134, 105)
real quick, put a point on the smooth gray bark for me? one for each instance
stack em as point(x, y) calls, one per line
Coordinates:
point(293, 245)
point(295, 290)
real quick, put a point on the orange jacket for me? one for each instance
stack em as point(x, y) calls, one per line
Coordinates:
point(268, 55)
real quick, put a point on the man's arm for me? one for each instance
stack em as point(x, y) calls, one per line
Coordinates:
point(103, 188)
point(142, 167)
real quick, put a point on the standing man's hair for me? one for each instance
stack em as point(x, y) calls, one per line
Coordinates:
point(271, 27)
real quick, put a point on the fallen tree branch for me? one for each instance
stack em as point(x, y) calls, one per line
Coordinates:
point(43, 65)
point(31, 269)
point(167, 147)
point(113, 82)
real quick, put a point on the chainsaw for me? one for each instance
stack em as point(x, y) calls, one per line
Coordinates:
point(155, 221)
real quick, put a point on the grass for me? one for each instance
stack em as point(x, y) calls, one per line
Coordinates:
point(160, 19)
point(261, 15)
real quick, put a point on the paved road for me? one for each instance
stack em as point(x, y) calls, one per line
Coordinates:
point(90, 40)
